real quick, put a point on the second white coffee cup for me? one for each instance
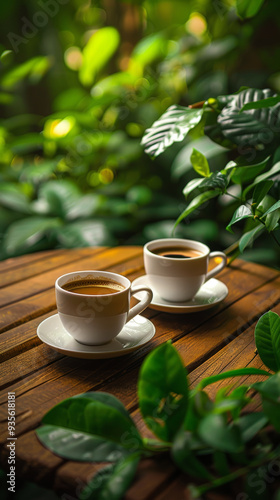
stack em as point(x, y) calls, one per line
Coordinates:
point(177, 268)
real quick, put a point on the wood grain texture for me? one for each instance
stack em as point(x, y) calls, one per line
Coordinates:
point(209, 342)
point(47, 261)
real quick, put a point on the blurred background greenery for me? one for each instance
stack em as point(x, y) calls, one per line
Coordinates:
point(81, 80)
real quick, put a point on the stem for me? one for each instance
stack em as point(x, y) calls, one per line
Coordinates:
point(197, 105)
point(236, 198)
point(156, 446)
point(232, 373)
point(271, 233)
point(240, 472)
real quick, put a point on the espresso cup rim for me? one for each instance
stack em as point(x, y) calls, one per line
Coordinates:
point(176, 240)
point(101, 274)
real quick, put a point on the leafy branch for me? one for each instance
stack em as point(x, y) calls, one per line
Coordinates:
point(213, 441)
point(247, 124)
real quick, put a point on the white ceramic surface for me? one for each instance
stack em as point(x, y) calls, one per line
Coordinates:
point(136, 333)
point(209, 295)
point(97, 319)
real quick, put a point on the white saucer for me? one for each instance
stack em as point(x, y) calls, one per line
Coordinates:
point(134, 334)
point(210, 294)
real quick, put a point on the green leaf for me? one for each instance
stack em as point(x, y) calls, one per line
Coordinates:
point(27, 143)
point(196, 202)
point(217, 433)
point(36, 174)
point(272, 209)
point(185, 458)
point(60, 197)
point(192, 185)
point(242, 212)
point(270, 392)
point(251, 424)
point(217, 180)
point(202, 403)
point(149, 49)
point(33, 69)
point(163, 391)
point(84, 233)
point(23, 234)
point(252, 128)
point(200, 163)
point(245, 173)
point(90, 426)
point(12, 197)
point(215, 50)
point(250, 236)
point(248, 8)
point(228, 405)
point(111, 482)
point(270, 173)
point(239, 393)
point(97, 52)
point(172, 126)
point(212, 151)
point(267, 338)
point(261, 190)
point(271, 221)
point(263, 103)
point(85, 207)
point(80, 445)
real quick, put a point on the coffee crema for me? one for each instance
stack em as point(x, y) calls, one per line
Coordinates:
point(93, 286)
point(177, 252)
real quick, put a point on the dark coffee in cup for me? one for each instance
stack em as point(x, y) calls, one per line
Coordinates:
point(177, 252)
point(93, 286)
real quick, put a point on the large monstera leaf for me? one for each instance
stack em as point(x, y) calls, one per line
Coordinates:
point(258, 127)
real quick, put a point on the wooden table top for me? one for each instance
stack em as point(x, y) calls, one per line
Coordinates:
point(209, 342)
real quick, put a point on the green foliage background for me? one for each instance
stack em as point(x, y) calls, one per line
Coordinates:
point(82, 80)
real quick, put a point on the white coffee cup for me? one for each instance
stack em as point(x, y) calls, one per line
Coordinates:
point(175, 278)
point(97, 319)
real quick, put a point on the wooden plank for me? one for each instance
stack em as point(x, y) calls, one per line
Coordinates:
point(22, 260)
point(239, 353)
point(71, 477)
point(51, 260)
point(27, 309)
point(34, 360)
point(20, 339)
point(46, 280)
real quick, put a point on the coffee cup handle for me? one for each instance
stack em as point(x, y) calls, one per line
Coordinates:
point(219, 267)
point(143, 304)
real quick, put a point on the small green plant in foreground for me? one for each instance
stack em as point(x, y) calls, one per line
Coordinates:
point(213, 441)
